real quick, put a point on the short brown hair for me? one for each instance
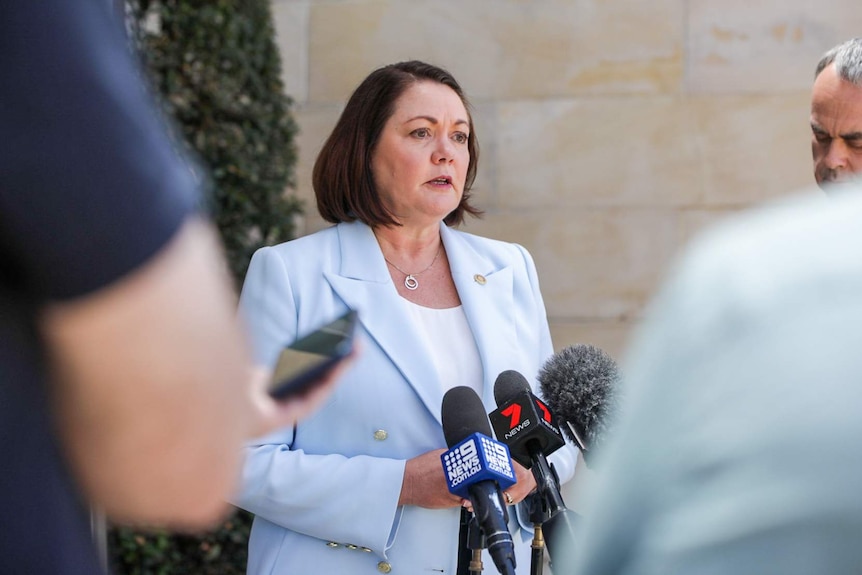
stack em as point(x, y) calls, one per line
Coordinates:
point(342, 178)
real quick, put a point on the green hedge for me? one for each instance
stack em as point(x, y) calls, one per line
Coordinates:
point(216, 67)
point(222, 551)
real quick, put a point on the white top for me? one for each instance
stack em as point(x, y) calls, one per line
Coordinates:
point(452, 346)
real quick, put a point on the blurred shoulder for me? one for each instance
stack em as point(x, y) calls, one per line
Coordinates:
point(807, 235)
point(797, 253)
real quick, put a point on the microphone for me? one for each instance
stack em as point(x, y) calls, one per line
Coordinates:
point(477, 467)
point(522, 421)
point(581, 384)
point(528, 427)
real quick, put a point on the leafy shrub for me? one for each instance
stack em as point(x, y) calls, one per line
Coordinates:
point(222, 551)
point(216, 67)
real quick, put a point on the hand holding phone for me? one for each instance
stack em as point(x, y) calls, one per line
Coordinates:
point(308, 360)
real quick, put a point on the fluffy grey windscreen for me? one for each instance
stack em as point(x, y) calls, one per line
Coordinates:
point(581, 386)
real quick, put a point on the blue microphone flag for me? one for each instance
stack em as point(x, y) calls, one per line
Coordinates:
point(477, 458)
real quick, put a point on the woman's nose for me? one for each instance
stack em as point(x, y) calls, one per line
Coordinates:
point(443, 151)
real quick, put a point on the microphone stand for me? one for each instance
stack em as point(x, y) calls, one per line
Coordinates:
point(475, 542)
point(557, 522)
point(465, 555)
point(538, 515)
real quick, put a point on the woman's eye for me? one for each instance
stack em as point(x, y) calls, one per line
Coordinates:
point(461, 138)
point(421, 132)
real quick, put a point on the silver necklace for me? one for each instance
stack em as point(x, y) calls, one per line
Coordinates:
point(410, 282)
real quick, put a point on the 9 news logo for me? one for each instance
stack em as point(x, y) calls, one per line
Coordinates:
point(478, 454)
point(462, 463)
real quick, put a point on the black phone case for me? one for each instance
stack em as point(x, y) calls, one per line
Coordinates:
point(333, 342)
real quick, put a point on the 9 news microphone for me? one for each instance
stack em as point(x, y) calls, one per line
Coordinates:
point(528, 427)
point(581, 384)
point(477, 467)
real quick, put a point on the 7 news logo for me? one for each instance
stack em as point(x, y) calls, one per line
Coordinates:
point(513, 412)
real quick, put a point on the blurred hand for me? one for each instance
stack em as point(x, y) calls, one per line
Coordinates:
point(286, 412)
point(425, 483)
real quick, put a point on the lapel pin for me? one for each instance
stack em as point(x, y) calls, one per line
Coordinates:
point(479, 279)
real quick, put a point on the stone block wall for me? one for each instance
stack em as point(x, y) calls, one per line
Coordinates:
point(611, 131)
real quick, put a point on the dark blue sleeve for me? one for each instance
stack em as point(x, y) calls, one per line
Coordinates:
point(91, 185)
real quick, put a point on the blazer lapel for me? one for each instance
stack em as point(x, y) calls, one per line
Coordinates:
point(486, 293)
point(364, 283)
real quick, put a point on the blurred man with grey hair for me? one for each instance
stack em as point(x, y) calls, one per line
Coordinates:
point(836, 115)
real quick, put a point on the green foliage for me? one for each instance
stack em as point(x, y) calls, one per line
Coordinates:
point(222, 551)
point(216, 67)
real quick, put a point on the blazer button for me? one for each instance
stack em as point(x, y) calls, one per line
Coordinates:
point(352, 547)
point(479, 279)
point(332, 544)
point(384, 567)
point(381, 435)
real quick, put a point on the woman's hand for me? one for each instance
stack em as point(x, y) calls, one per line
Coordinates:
point(525, 485)
point(424, 483)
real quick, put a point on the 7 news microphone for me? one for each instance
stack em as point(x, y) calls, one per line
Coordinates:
point(526, 424)
point(477, 467)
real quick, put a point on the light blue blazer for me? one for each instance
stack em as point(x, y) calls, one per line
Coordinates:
point(325, 495)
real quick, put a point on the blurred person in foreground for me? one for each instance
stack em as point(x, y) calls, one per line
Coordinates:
point(836, 115)
point(359, 487)
point(125, 380)
point(738, 448)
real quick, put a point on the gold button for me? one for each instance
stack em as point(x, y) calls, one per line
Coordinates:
point(332, 544)
point(352, 547)
point(366, 549)
point(384, 567)
point(380, 435)
point(479, 279)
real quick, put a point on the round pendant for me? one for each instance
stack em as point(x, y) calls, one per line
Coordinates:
point(411, 283)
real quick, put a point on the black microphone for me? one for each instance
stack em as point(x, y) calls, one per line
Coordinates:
point(475, 466)
point(529, 428)
point(581, 384)
point(523, 421)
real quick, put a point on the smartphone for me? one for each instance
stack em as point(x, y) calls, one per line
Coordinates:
point(308, 359)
